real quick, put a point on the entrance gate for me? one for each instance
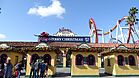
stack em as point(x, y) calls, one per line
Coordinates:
point(62, 60)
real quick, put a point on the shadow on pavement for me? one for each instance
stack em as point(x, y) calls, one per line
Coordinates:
point(104, 75)
point(62, 74)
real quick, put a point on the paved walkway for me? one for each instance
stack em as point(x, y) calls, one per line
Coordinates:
point(65, 73)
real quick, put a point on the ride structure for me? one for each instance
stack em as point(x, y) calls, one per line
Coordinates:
point(94, 32)
point(120, 36)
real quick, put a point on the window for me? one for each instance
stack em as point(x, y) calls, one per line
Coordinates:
point(47, 59)
point(109, 62)
point(91, 60)
point(120, 60)
point(131, 60)
point(79, 59)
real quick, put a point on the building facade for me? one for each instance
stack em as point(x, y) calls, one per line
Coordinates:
point(66, 49)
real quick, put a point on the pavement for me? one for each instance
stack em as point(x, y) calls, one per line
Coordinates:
point(65, 73)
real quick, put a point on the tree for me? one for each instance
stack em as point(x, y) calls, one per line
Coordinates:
point(131, 20)
point(0, 10)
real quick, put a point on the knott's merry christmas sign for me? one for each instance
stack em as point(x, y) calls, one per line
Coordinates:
point(65, 39)
point(45, 37)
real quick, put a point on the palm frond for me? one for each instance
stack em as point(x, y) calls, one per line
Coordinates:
point(132, 16)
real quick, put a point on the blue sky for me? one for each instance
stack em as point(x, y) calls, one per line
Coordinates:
point(21, 19)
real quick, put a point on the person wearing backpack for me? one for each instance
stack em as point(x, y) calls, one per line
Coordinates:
point(18, 69)
point(42, 69)
point(9, 67)
point(36, 69)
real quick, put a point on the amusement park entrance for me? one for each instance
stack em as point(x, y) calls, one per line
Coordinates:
point(63, 64)
point(64, 44)
point(60, 60)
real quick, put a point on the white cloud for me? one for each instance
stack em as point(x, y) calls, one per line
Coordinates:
point(2, 36)
point(54, 9)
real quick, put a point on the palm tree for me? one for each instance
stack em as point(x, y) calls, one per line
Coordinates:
point(0, 10)
point(131, 20)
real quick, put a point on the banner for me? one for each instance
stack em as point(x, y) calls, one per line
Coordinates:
point(85, 39)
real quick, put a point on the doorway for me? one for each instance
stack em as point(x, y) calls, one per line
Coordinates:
point(4, 58)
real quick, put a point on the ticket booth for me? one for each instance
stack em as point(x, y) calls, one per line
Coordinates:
point(84, 62)
point(121, 61)
point(15, 57)
point(47, 54)
point(7, 52)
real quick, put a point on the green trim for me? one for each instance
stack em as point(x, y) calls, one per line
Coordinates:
point(59, 66)
point(85, 76)
point(125, 75)
point(27, 75)
point(50, 76)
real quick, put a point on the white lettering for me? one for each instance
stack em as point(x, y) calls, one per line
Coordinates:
point(68, 39)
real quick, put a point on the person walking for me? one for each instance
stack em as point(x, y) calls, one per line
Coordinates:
point(18, 69)
point(42, 69)
point(9, 68)
point(1, 69)
point(36, 69)
point(32, 69)
point(5, 69)
point(46, 71)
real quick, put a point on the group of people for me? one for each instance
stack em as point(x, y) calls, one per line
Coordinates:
point(6, 69)
point(39, 69)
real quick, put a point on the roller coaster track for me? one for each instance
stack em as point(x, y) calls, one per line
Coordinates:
point(95, 30)
point(119, 21)
point(92, 22)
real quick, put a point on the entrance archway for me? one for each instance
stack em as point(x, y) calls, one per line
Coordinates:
point(63, 64)
point(34, 57)
point(59, 60)
point(68, 59)
point(47, 59)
